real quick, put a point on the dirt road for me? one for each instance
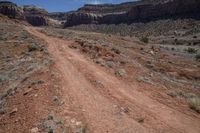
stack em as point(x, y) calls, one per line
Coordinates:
point(108, 104)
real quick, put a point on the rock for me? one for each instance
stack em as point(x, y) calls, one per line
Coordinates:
point(141, 120)
point(13, 111)
point(35, 130)
point(2, 111)
point(27, 91)
point(120, 72)
point(55, 98)
point(78, 123)
point(100, 61)
point(124, 109)
point(110, 64)
point(151, 52)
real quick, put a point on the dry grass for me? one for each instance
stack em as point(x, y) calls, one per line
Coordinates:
point(192, 99)
point(194, 103)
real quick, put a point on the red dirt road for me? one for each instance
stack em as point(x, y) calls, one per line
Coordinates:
point(108, 104)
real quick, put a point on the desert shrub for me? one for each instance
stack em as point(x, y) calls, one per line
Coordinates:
point(181, 94)
point(193, 99)
point(191, 50)
point(145, 39)
point(172, 49)
point(194, 103)
point(197, 57)
point(32, 47)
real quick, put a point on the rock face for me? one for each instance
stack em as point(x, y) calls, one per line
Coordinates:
point(37, 20)
point(107, 8)
point(145, 10)
point(169, 9)
point(33, 15)
point(10, 9)
point(84, 18)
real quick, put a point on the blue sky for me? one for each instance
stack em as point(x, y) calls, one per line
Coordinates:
point(63, 5)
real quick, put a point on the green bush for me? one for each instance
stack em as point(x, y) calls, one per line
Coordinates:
point(197, 57)
point(145, 39)
point(191, 50)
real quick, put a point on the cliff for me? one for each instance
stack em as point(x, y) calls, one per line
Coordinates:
point(145, 10)
point(10, 9)
point(33, 15)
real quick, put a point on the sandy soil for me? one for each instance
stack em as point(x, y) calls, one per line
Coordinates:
point(105, 103)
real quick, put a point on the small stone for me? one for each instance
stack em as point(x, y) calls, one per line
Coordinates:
point(124, 109)
point(62, 102)
point(34, 130)
point(55, 98)
point(78, 123)
point(28, 91)
point(73, 120)
point(2, 111)
point(151, 52)
point(120, 72)
point(50, 117)
point(110, 64)
point(115, 106)
point(13, 111)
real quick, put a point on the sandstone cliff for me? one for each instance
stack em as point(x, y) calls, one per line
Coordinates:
point(10, 9)
point(33, 15)
point(145, 10)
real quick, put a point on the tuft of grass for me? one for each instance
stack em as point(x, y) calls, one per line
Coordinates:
point(145, 80)
point(144, 39)
point(181, 94)
point(120, 72)
point(194, 103)
point(192, 99)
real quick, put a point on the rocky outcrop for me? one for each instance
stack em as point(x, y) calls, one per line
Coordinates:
point(33, 10)
point(10, 9)
point(107, 8)
point(33, 15)
point(168, 9)
point(37, 20)
point(83, 18)
point(145, 10)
